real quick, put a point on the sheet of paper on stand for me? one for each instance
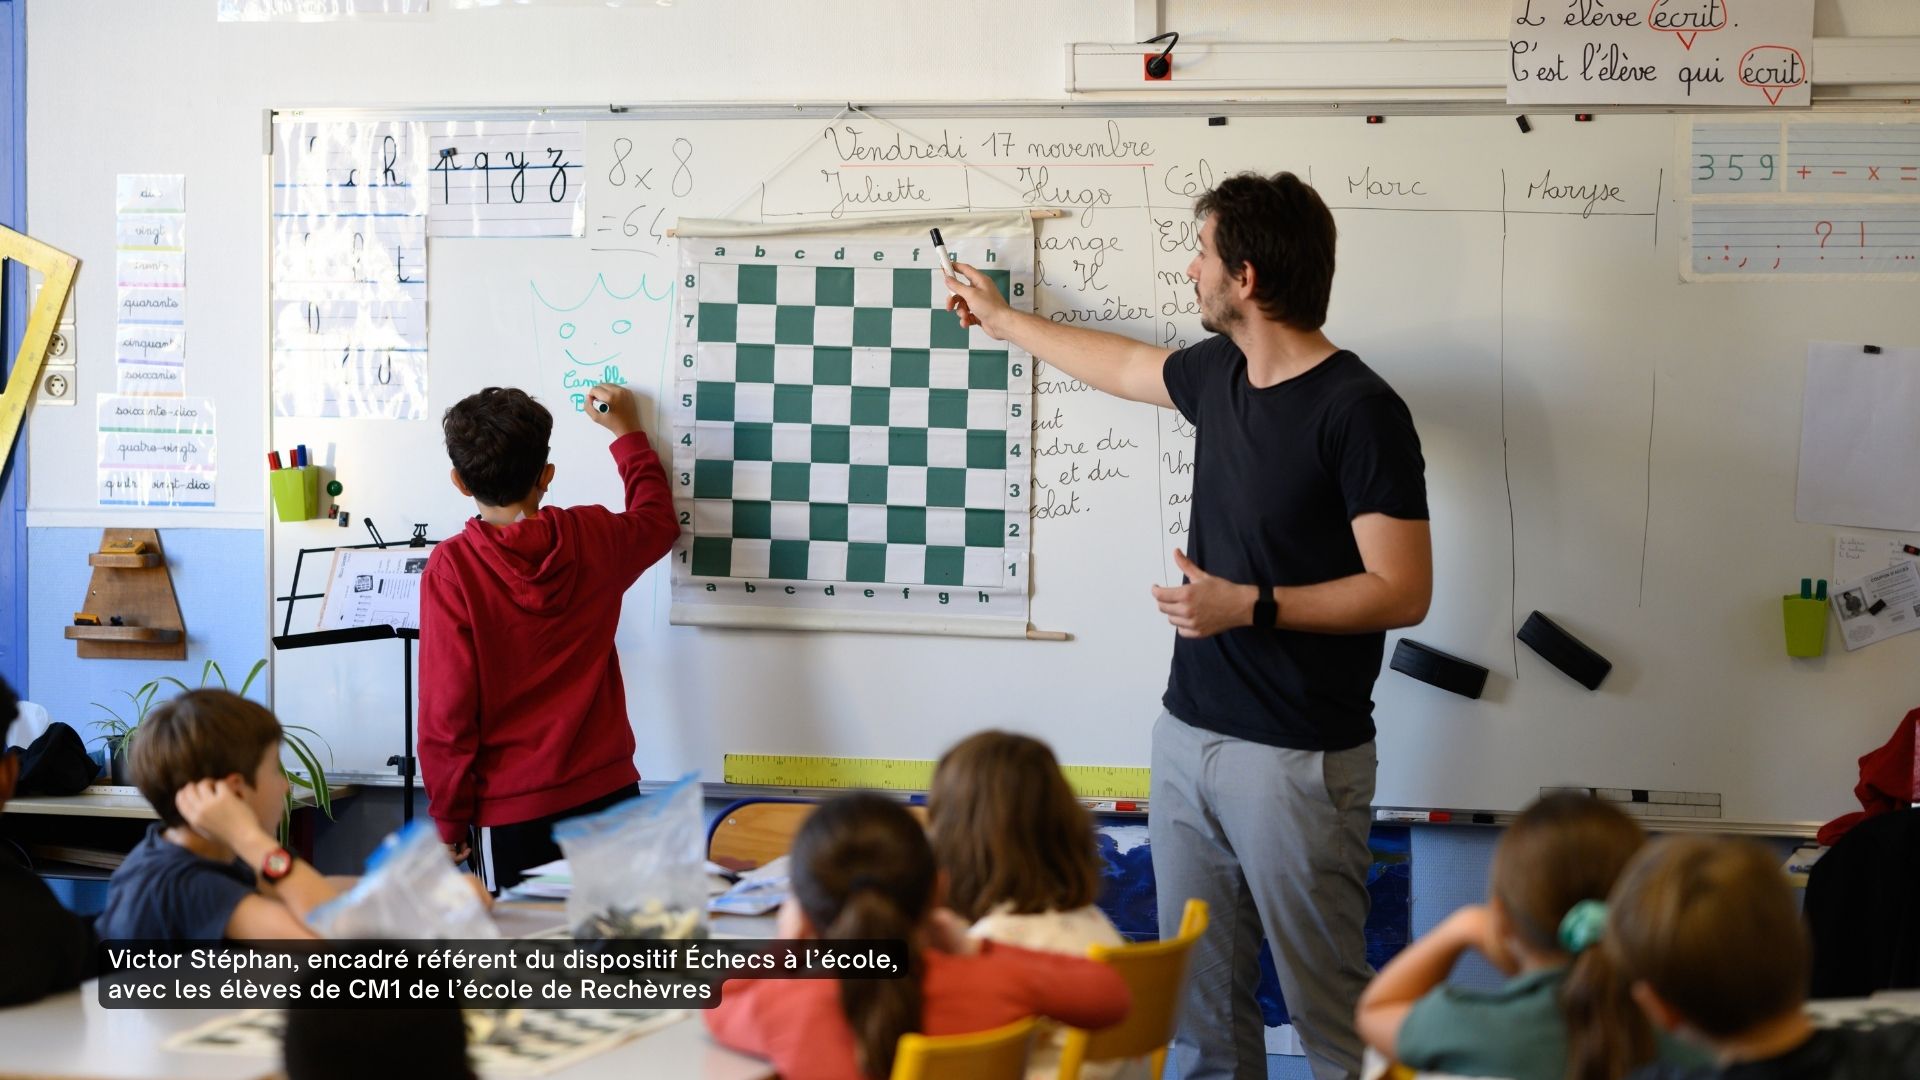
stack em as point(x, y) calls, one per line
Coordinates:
point(373, 586)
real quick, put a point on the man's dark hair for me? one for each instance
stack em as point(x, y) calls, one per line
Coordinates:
point(497, 440)
point(1279, 225)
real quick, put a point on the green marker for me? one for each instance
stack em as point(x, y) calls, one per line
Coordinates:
point(1806, 588)
point(1820, 589)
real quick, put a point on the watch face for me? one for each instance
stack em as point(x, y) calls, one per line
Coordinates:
point(277, 864)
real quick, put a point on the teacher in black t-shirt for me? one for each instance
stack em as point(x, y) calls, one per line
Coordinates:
point(1309, 542)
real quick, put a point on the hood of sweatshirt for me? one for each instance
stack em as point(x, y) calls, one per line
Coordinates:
point(534, 559)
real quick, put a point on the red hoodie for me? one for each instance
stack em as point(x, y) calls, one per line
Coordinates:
point(522, 711)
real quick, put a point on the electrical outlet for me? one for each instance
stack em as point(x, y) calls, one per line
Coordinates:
point(63, 347)
point(59, 385)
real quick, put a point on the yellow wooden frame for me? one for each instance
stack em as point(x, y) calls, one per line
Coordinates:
point(57, 269)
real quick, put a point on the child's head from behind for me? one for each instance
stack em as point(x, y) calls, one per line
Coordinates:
point(862, 869)
point(209, 735)
point(497, 440)
point(862, 862)
point(1561, 850)
point(1708, 932)
point(1007, 829)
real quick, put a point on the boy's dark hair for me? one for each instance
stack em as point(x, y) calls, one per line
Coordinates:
point(863, 870)
point(200, 735)
point(1007, 829)
point(497, 440)
point(1280, 225)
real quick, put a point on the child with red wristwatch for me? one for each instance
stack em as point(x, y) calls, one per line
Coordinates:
point(209, 762)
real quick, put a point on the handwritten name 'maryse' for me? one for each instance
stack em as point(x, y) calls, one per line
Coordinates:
point(1589, 194)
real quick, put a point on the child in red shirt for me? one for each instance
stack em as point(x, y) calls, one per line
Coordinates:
point(863, 869)
point(523, 716)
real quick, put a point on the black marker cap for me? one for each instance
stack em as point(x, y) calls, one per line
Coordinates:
point(937, 242)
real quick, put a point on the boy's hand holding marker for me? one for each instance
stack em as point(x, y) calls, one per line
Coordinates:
point(615, 408)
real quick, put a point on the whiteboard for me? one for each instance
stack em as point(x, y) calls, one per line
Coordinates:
point(1605, 443)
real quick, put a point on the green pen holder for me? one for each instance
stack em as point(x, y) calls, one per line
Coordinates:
point(296, 492)
point(1806, 622)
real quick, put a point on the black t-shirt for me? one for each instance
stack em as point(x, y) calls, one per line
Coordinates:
point(1280, 472)
point(166, 892)
point(45, 948)
point(1881, 1053)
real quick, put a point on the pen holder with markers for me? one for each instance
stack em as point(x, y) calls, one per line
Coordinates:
point(296, 492)
point(1806, 623)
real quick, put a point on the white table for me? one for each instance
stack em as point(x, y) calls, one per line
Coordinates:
point(71, 1035)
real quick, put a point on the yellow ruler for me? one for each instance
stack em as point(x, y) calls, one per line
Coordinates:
point(56, 268)
point(906, 774)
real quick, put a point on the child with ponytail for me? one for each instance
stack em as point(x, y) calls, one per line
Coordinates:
point(1563, 1014)
point(862, 869)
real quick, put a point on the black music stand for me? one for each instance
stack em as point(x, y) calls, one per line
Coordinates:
point(403, 762)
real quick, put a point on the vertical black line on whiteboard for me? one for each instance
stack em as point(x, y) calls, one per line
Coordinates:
point(1506, 460)
point(1659, 183)
point(1159, 421)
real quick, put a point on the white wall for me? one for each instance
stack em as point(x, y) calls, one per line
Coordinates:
point(158, 86)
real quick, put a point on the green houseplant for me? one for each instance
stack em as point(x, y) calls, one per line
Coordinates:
point(119, 732)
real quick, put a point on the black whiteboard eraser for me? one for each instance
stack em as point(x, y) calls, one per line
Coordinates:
point(1436, 668)
point(1216, 121)
point(1564, 651)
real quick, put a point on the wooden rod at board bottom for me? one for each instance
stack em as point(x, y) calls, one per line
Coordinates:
point(1036, 215)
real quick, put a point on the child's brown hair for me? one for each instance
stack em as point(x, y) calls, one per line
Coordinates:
point(1560, 851)
point(862, 870)
point(1007, 829)
point(200, 735)
point(497, 440)
point(1711, 926)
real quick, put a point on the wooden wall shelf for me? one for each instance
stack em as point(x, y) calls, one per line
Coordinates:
point(138, 589)
point(142, 634)
point(148, 561)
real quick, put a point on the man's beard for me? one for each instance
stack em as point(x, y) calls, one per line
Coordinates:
point(1223, 324)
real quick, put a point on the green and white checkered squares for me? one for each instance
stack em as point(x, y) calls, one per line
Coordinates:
point(869, 307)
point(849, 561)
point(838, 427)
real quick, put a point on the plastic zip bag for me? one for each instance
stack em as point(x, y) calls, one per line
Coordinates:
point(639, 868)
point(410, 890)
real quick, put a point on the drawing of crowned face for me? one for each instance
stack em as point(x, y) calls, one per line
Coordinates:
point(590, 340)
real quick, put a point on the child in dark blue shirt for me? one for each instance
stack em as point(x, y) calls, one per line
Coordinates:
point(209, 762)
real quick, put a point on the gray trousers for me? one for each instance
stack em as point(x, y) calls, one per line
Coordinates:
point(1275, 841)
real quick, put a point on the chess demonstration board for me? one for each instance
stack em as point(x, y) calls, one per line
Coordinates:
point(840, 441)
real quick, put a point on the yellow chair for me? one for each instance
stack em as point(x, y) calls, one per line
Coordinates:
point(999, 1054)
point(1155, 972)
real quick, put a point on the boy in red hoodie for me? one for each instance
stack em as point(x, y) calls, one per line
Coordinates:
point(523, 716)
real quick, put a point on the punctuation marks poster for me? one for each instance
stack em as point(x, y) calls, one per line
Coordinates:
point(1660, 52)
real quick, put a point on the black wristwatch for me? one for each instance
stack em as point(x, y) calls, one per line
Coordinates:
point(1266, 611)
